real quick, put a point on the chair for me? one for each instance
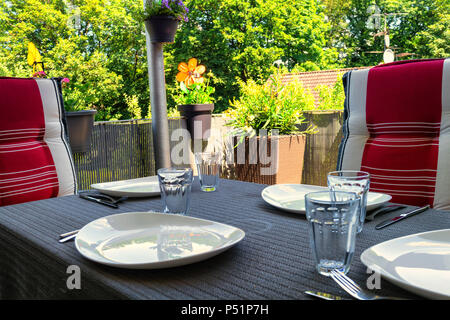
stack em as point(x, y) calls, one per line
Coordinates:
point(35, 157)
point(397, 128)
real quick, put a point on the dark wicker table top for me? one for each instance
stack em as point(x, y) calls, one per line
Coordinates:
point(273, 262)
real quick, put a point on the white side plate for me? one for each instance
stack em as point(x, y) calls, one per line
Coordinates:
point(419, 263)
point(291, 197)
point(141, 187)
point(144, 240)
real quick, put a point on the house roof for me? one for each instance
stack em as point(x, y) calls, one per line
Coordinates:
point(312, 79)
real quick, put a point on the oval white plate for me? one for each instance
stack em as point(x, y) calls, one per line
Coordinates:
point(419, 263)
point(291, 197)
point(147, 240)
point(141, 187)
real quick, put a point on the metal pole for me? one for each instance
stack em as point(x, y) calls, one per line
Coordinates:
point(160, 123)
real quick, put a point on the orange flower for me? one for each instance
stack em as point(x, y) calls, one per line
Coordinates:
point(190, 72)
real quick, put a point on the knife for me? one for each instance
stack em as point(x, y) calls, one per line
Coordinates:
point(323, 295)
point(386, 209)
point(106, 203)
point(401, 217)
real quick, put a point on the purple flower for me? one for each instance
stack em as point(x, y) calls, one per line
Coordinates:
point(175, 7)
point(165, 3)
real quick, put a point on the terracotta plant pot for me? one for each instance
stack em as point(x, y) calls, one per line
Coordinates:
point(79, 127)
point(270, 159)
point(162, 28)
point(198, 119)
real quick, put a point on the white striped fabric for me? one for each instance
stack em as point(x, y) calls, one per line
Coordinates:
point(356, 124)
point(35, 157)
point(55, 137)
point(397, 128)
point(442, 196)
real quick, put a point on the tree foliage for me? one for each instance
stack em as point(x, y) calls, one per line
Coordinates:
point(241, 40)
point(421, 28)
point(100, 44)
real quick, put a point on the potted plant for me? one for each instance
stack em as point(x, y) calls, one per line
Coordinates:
point(194, 98)
point(79, 121)
point(265, 121)
point(162, 17)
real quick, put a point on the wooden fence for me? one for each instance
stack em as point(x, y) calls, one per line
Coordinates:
point(124, 150)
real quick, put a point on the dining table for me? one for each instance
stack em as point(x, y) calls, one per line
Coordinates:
point(274, 261)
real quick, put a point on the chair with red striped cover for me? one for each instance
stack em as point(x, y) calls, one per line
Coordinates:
point(35, 156)
point(397, 128)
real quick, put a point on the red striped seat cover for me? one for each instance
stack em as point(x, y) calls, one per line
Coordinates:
point(397, 128)
point(35, 158)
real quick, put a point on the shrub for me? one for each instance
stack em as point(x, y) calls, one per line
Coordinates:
point(270, 106)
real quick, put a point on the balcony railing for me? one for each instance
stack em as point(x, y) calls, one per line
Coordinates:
point(124, 150)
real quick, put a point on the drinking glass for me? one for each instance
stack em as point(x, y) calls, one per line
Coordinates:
point(208, 167)
point(333, 220)
point(175, 185)
point(352, 181)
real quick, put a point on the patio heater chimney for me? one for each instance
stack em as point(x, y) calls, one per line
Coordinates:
point(160, 124)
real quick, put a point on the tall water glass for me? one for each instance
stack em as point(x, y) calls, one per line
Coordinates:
point(333, 220)
point(208, 167)
point(175, 185)
point(352, 181)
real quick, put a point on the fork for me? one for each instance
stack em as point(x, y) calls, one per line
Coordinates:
point(354, 290)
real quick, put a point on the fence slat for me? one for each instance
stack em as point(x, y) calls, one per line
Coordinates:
point(119, 150)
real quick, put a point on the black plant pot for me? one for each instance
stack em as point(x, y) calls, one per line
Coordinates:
point(79, 127)
point(196, 115)
point(162, 28)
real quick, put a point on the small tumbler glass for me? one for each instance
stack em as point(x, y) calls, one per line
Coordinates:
point(333, 220)
point(175, 185)
point(352, 181)
point(208, 167)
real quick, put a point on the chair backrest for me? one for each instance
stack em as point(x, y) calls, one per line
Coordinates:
point(35, 157)
point(397, 128)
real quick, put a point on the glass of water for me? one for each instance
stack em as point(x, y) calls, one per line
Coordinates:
point(208, 167)
point(352, 181)
point(333, 220)
point(175, 185)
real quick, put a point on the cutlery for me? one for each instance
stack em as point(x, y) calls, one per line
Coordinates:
point(66, 239)
point(111, 199)
point(323, 295)
point(384, 209)
point(103, 196)
point(106, 203)
point(401, 217)
point(68, 234)
point(354, 290)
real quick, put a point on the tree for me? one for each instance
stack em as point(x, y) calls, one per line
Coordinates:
point(434, 40)
point(421, 28)
point(241, 39)
point(100, 44)
point(91, 46)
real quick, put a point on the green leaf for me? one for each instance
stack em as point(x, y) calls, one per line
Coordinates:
point(183, 87)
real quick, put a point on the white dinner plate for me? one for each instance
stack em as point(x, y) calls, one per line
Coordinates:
point(141, 187)
point(419, 263)
point(291, 197)
point(147, 240)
